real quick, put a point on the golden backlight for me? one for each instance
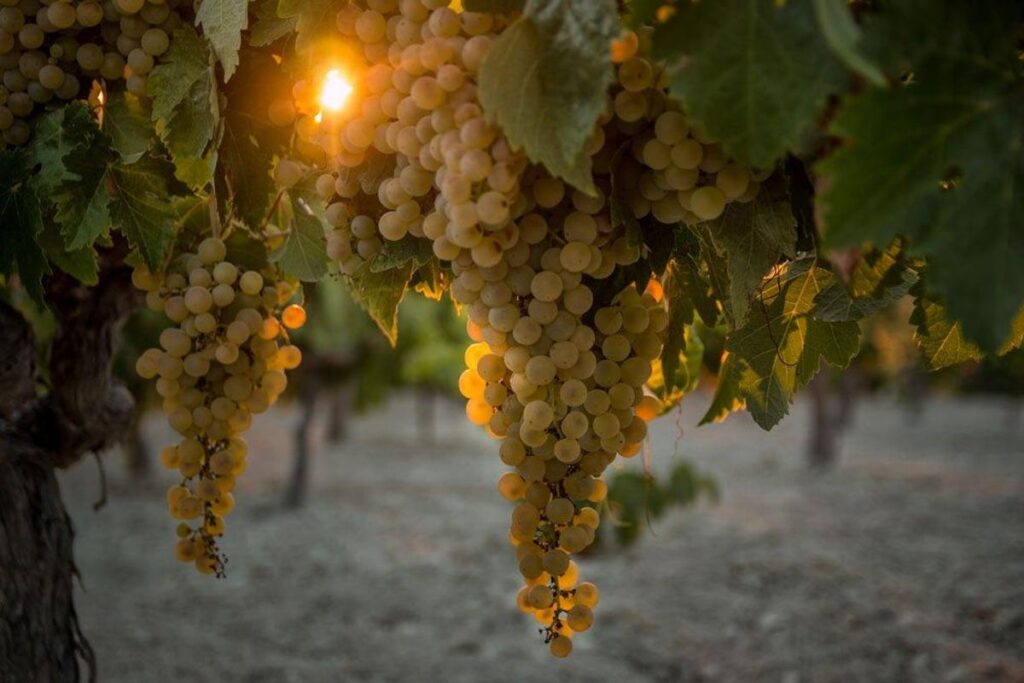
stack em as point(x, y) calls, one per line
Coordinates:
point(336, 92)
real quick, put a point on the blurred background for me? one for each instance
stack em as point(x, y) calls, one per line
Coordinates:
point(877, 534)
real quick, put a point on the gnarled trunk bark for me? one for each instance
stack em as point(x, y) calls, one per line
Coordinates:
point(39, 636)
point(86, 410)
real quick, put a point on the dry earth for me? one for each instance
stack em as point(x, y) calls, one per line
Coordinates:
point(906, 563)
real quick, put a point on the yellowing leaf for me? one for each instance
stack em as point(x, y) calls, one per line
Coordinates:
point(728, 398)
point(753, 237)
point(380, 294)
point(781, 346)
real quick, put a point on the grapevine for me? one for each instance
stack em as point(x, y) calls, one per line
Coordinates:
point(595, 184)
point(555, 373)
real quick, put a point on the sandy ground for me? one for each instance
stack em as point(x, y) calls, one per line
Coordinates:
point(904, 564)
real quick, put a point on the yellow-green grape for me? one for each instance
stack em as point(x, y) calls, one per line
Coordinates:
point(707, 203)
point(512, 486)
point(587, 594)
point(294, 317)
point(251, 283)
point(217, 366)
point(89, 13)
point(580, 618)
point(560, 646)
point(155, 42)
point(129, 6)
point(288, 173)
point(64, 47)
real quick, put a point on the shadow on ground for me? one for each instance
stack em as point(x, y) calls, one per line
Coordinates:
point(904, 564)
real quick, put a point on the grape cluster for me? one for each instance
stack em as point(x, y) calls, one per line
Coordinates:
point(674, 171)
point(554, 374)
point(222, 361)
point(54, 50)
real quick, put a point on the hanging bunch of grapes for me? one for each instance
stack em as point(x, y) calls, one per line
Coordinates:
point(222, 361)
point(52, 52)
point(559, 362)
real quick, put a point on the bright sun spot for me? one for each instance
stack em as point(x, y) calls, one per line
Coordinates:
point(336, 91)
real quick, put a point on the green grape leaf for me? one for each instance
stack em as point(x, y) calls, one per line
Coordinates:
point(22, 220)
point(880, 279)
point(781, 345)
point(127, 123)
point(728, 398)
point(842, 34)
point(634, 497)
point(621, 215)
point(83, 206)
point(82, 200)
point(246, 164)
point(54, 138)
point(79, 263)
point(223, 22)
point(900, 34)
point(406, 250)
point(430, 281)
point(680, 315)
point(1016, 338)
point(315, 21)
point(192, 221)
point(618, 201)
point(304, 194)
point(379, 294)
point(753, 237)
point(643, 12)
point(658, 242)
point(687, 484)
point(686, 269)
point(185, 106)
point(72, 155)
point(545, 82)
point(494, 6)
point(755, 73)
point(942, 341)
point(940, 160)
point(717, 269)
point(246, 251)
point(671, 381)
point(250, 141)
point(269, 27)
point(142, 207)
point(304, 252)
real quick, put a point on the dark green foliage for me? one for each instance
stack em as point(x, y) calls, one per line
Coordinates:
point(544, 82)
point(756, 73)
point(636, 499)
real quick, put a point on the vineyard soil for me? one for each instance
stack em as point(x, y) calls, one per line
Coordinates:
point(904, 564)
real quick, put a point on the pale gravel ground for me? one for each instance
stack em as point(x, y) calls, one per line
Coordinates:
point(905, 564)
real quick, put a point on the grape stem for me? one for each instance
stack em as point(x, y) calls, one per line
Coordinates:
point(215, 222)
point(270, 211)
